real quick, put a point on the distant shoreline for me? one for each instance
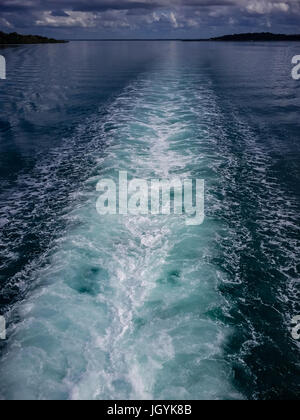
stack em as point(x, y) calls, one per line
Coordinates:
point(250, 37)
point(16, 39)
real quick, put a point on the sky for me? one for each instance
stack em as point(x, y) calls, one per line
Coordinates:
point(93, 19)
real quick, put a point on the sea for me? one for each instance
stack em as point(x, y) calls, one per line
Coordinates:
point(139, 307)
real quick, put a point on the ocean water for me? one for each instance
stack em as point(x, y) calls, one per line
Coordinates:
point(139, 307)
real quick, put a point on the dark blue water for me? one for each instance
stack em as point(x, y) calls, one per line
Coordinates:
point(139, 307)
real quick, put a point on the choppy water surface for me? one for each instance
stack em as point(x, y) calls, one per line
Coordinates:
point(121, 307)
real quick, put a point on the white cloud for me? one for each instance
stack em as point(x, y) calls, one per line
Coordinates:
point(173, 20)
point(192, 23)
point(263, 7)
point(74, 19)
point(4, 22)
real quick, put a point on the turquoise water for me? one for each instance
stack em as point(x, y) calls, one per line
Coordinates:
point(140, 307)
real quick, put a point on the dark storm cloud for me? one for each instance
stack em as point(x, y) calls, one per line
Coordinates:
point(148, 17)
point(103, 5)
point(100, 6)
point(60, 13)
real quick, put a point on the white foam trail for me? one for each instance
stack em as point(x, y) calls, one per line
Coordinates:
point(121, 310)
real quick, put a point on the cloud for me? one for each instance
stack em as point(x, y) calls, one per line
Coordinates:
point(173, 20)
point(4, 23)
point(68, 19)
point(149, 17)
point(266, 7)
point(59, 13)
